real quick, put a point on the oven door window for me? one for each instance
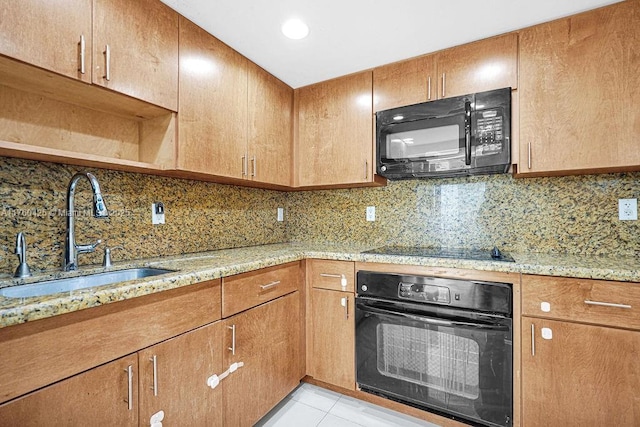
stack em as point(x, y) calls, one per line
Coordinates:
point(458, 368)
point(440, 360)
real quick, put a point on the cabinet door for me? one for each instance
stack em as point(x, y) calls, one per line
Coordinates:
point(333, 335)
point(582, 376)
point(335, 135)
point(404, 83)
point(479, 66)
point(580, 92)
point(48, 34)
point(267, 343)
point(106, 395)
point(142, 40)
point(213, 105)
point(270, 137)
point(173, 378)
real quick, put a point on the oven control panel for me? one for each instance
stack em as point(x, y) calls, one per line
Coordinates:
point(424, 293)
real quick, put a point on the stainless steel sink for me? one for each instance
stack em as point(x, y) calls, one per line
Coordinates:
point(81, 282)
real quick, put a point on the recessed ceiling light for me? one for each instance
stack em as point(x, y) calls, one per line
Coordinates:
point(295, 29)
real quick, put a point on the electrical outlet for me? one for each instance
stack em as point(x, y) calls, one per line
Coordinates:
point(628, 209)
point(157, 213)
point(280, 214)
point(371, 213)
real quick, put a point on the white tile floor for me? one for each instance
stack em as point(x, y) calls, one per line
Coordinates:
point(309, 406)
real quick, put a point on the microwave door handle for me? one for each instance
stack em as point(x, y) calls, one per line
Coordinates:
point(467, 133)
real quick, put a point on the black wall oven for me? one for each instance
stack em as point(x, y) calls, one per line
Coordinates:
point(438, 344)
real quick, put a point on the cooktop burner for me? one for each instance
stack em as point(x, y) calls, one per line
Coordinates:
point(459, 253)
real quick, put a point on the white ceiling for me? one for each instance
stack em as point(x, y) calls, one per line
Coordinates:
point(353, 35)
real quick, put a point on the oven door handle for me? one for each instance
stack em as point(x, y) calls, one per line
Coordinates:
point(434, 321)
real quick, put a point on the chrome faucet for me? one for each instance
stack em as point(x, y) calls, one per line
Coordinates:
point(71, 249)
point(21, 250)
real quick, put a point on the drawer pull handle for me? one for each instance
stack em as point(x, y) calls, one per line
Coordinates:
point(342, 277)
point(607, 304)
point(270, 285)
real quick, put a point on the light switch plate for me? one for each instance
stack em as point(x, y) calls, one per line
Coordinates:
point(280, 214)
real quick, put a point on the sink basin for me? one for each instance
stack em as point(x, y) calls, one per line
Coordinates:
point(81, 282)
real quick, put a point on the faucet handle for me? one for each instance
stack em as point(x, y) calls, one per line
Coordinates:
point(106, 261)
point(88, 248)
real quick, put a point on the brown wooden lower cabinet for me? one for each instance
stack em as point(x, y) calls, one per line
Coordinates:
point(579, 375)
point(173, 379)
point(106, 395)
point(266, 340)
point(333, 335)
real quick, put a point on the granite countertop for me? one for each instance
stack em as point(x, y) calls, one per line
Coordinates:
point(199, 267)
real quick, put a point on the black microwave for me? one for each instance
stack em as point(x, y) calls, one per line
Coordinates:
point(463, 135)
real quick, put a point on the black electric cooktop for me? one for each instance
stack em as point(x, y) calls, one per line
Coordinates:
point(431, 252)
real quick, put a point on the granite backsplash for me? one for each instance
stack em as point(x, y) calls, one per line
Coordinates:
point(574, 215)
point(200, 216)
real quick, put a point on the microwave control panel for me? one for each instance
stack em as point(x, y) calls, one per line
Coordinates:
point(489, 132)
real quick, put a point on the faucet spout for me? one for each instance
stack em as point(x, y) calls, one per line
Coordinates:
point(71, 249)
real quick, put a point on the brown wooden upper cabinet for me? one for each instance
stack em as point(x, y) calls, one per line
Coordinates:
point(235, 118)
point(129, 47)
point(135, 50)
point(213, 105)
point(580, 93)
point(474, 67)
point(56, 36)
point(269, 144)
point(335, 132)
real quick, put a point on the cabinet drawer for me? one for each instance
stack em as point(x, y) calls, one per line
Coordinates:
point(583, 300)
point(248, 290)
point(334, 275)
